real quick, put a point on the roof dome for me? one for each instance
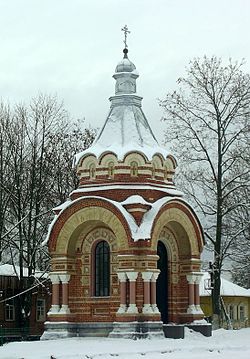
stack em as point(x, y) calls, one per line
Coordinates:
point(125, 65)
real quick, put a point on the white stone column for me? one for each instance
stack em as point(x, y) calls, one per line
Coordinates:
point(132, 276)
point(197, 293)
point(122, 276)
point(147, 308)
point(191, 306)
point(65, 296)
point(153, 292)
point(55, 305)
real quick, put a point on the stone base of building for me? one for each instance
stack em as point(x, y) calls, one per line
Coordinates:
point(137, 330)
point(202, 327)
point(126, 330)
point(174, 331)
point(56, 330)
point(177, 331)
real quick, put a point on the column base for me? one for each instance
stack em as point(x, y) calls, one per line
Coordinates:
point(137, 330)
point(191, 309)
point(132, 309)
point(68, 329)
point(122, 309)
point(64, 309)
point(195, 309)
point(199, 310)
point(147, 309)
point(54, 309)
point(155, 309)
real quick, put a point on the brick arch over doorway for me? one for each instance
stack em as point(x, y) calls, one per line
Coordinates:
point(176, 232)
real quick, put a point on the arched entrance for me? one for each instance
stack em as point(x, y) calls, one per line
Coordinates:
point(162, 282)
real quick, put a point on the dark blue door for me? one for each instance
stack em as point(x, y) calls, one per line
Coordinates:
point(162, 282)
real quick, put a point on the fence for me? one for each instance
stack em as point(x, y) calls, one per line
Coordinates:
point(17, 334)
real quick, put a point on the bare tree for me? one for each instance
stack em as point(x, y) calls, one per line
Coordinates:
point(5, 152)
point(207, 126)
point(43, 140)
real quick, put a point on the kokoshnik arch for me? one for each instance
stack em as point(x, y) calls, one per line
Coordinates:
point(125, 248)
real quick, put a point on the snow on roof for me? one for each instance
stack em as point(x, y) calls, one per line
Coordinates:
point(62, 205)
point(227, 288)
point(126, 128)
point(11, 271)
point(137, 232)
point(135, 199)
point(169, 190)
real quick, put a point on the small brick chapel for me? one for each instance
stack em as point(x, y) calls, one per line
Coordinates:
point(125, 247)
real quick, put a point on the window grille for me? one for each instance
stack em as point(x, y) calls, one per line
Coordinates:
point(102, 269)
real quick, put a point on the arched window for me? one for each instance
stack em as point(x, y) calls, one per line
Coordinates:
point(134, 169)
point(153, 171)
point(166, 173)
point(111, 170)
point(92, 171)
point(102, 269)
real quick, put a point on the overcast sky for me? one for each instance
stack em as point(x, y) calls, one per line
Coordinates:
point(71, 47)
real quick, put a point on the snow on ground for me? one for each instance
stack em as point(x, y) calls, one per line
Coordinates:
point(224, 344)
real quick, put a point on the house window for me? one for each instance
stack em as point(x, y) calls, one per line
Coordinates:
point(40, 310)
point(241, 313)
point(102, 269)
point(134, 169)
point(231, 311)
point(10, 310)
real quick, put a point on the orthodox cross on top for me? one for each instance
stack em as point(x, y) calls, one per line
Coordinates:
point(126, 31)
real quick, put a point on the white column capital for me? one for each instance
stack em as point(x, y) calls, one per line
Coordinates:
point(122, 276)
point(64, 277)
point(198, 277)
point(54, 277)
point(132, 276)
point(146, 276)
point(155, 275)
point(191, 277)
